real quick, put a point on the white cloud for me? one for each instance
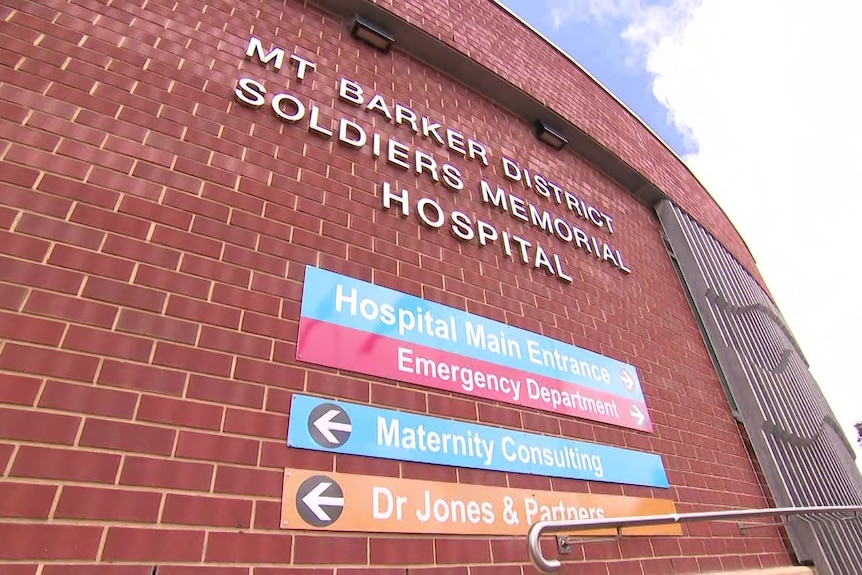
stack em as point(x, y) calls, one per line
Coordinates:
point(769, 92)
point(565, 10)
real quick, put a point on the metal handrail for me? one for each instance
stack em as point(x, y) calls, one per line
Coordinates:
point(549, 527)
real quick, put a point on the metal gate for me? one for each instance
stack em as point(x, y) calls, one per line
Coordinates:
point(805, 457)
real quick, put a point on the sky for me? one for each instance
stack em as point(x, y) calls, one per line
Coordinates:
point(761, 98)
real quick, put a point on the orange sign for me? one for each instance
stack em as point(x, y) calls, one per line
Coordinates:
point(365, 503)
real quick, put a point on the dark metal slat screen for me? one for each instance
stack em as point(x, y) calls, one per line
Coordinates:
point(803, 454)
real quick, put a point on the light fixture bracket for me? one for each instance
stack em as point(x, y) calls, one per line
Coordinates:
point(549, 135)
point(371, 33)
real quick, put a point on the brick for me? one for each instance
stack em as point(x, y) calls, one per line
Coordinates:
point(141, 251)
point(215, 270)
point(202, 570)
point(253, 260)
point(318, 550)
point(256, 424)
point(39, 275)
point(127, 437)
point(192, 359)
point(226, 391)
point(492, 570)
point(268, 373)
point(130, 186)
point(249, 548)
point(18, 175)
point(18, 568)
point(143, 377)
point(207, 511)
point(96, 156)
point(279, 456)
point(124, 294)
point(222, 232)
point(6, 451)
point(165, 177)
point(452, 407)
point(224, 196)
point(270, 326)
point(166, 474)
point(195, 445)
point(541, 422)
point(180, 148)
point(26, 541)
point(107, 343)
point(78, 191)
point(187, 242)
point(499, 415)
point(180, 413)
point(7, 217)
point(98, 503)
point(267, 515)
point(481, 477)
point(276, 286)
point(150, 211)
point(18, 389)
point(19, 327)
point(245, 299)
point(398, 397)
point(278, 400)
point(26, 500)
point(393, 551)
point(157, 326)
point(88, 399)
point(462, 570)
point(11, 297)
point(246, 481)
point(153, 545)
point(367, 466)
point(37, 426)
point(429, 472)
point(65, 464)
point(235, 342)
point(509, 551)
point(21, 246)
point(56, 125)
point(139, 152)
point(110, 221)
point(100, 569)
point(203, 312)
point(174, 282)
point(325, 383)
point(204, 172)
point(72, 309)
point(463, 551)
point(107, 124)
point(34, 201)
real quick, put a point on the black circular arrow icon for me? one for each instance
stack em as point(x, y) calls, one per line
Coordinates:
point(329, 425)
point(319, 501)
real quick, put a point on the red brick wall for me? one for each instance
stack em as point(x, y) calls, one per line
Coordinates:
point(153, 239)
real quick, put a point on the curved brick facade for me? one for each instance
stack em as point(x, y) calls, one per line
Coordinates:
point(154, 236)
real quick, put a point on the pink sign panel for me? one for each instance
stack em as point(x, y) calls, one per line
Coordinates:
point(354, 325)
point(341, 347)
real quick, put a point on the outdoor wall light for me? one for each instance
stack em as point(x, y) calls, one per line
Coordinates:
point(550, 136)
point(372, 34)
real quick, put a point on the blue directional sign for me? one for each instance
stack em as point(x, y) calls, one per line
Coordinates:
point(336, 426)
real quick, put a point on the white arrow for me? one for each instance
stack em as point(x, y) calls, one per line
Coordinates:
point(326, 426)
point(627, 380)
point(637, 414)
point(314, 500)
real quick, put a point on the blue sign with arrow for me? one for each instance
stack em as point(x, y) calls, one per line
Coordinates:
point(336, 426)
